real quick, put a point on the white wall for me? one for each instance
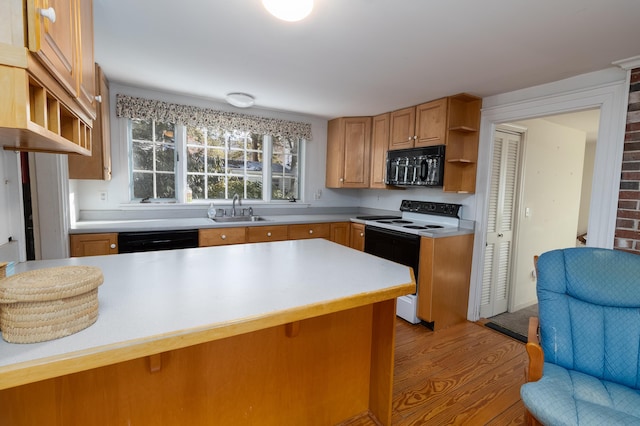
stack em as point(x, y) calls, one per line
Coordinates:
point(550, 189)
point(86, 192)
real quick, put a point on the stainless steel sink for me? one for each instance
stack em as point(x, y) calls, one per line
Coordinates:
point(238, 219)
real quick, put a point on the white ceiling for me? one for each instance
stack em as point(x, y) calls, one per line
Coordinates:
point(359, 57)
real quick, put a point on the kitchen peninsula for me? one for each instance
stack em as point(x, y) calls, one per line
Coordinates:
point(290, 332)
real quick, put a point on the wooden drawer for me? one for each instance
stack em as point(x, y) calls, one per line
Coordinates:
point(221, 236)
point(260, 234)
point(310, 230)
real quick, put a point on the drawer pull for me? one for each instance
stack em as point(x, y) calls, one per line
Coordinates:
point(268, 234)
point(112, 246)
point(310, 231)
point(224, 237)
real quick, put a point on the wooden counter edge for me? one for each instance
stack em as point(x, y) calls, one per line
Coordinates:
point(46, 368)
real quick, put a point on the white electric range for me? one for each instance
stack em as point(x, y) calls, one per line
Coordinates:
point(397, 238)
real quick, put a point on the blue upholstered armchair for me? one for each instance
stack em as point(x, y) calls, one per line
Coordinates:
point(586, 369)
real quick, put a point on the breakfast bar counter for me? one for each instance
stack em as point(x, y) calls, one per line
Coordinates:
point(291, 332)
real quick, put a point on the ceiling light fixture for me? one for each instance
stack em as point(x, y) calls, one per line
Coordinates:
point(289, 10)
point(240, 100)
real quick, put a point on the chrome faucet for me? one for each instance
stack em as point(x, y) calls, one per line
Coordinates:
point(236, 197)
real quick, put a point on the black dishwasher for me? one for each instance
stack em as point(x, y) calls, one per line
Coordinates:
point(132, 242)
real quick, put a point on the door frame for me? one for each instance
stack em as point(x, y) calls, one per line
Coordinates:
point(611, 99)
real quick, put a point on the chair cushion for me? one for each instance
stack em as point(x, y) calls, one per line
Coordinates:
point(568, 397)
point(589, 309)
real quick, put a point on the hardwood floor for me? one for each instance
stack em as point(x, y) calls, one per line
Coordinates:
point(467, 374)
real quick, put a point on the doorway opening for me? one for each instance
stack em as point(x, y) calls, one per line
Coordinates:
point(539, 197)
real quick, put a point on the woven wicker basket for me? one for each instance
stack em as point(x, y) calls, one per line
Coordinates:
point(50, 303)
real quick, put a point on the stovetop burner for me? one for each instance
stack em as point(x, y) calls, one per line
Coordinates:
point(418, 216)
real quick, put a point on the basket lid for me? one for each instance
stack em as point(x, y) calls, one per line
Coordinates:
point(49, 283)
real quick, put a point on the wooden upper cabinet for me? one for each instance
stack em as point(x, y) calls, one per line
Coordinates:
point(402, 128)
point(54, 40)
point(461, 154)
point(98, 165)
point(379, 147)
point(431, 123)
point(47, 75)
point(418, 126)
point(348, 151)
point(87, 77)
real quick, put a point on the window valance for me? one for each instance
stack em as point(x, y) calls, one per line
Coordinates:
point(140, 108)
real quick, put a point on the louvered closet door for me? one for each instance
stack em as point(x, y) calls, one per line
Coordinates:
point(498, 253)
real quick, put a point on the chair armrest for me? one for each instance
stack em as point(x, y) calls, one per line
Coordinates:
point(535, 352)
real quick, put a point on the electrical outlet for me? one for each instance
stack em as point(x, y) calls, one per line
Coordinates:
point(102, 196)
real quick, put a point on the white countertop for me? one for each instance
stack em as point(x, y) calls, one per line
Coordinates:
point(95, 226)
point(197, 223)
point(157, 301)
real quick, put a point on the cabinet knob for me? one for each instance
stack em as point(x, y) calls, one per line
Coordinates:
point(341, 179)
point(98, 99)
point(268, 234)
point(362, 234)
point(49, 13)
point(112, 246)
point(224, 237)
point(311, 231)
point(415, 137)
point(410, 138)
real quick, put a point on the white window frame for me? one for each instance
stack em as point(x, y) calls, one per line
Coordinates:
point(181, 169)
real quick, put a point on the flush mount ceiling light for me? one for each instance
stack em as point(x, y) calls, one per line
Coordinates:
point(289, 10)
point(240, 100)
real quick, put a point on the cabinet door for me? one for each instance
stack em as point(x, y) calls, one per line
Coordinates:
point(98, 165)
point(379, 147)
point(260, 234)
point(86, 63)
point(221, 236)
point(93, 244)
point(348, 152)
point(402, 128)
point(310, 230)
point(340, 233)
point(357, 236)
point(443, 279)
point(431, 123)
point(54, 43)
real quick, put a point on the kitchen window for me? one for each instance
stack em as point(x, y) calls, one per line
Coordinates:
point(217, 163)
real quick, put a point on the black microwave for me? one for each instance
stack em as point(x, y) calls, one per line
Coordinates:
point(416, 166)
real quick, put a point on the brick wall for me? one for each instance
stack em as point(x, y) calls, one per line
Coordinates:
point(627, 236)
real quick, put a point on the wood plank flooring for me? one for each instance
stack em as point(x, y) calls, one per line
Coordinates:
point(467, 374)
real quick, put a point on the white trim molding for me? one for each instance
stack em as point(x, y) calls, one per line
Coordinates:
point(610, 96)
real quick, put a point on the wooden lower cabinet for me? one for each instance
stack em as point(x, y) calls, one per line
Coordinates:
point(443, 280)
point(310, 230)
point(334, 368)
point(340, 233)
point(93, 244)
point(357, 236)
point(261, 234)
point(221, 236)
